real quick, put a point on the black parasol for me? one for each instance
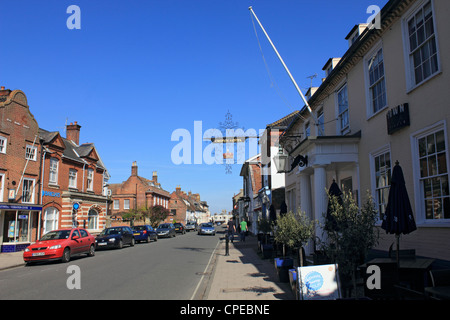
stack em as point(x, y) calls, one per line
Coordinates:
point(398, 217)
point(283, 208)
point(334, 191)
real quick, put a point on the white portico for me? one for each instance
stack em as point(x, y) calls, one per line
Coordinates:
point(329, 157)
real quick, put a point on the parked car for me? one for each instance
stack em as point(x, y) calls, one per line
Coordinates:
point(191, 226)
point(179, 228)
point(115, 237)
point(166, 230)
point(207, 228)
point(60, 245)
point(144, 233)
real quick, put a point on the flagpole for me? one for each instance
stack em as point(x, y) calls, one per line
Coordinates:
point(285, 67)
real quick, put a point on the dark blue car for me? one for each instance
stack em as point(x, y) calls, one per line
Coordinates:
point(115, 237)
point(144, 233)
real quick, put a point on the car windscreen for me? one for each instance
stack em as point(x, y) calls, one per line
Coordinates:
point(56, 235)
point(164, 226)
point(111, 231)
point(207, 225)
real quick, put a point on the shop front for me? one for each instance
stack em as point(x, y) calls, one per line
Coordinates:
point(19, 225)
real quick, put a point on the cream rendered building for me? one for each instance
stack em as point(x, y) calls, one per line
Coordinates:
point(383, 101)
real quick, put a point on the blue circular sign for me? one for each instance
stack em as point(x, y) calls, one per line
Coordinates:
point(76, 206)
point(314, 281)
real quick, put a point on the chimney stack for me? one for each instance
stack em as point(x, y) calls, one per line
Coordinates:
point(178, 190)
point(73, 132)
point(155, 177)
point(134, 169)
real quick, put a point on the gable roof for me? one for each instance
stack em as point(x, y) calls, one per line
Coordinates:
point(70, 149)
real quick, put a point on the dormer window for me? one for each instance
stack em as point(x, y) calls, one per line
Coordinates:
point(354, 34)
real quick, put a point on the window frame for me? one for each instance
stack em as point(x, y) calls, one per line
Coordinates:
point(408, 54)
point(3, 144)
point(340, 129)
point(90, 180)
point(73, 178)
point(419, 195)
point(27, 153)
point(114, 204)
point(31, 191)
point(55, 221)
point(368, 87)
point(373, 176)
point(53, 171)
point(126, 204)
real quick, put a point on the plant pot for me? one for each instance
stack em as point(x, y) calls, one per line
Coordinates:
point(283, 265)
point(267, 251)
point(293, 281)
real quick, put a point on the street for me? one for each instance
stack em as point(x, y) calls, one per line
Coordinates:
point(168, 269)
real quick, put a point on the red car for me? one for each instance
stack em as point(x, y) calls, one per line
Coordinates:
point(60, 245)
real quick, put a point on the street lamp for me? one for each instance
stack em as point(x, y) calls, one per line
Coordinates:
point(280, 160)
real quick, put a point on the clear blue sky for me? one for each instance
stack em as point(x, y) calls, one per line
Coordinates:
point(139, 69)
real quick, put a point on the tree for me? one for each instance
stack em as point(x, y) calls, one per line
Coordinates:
point(156, 214)
point(294, 230)
point(353, 234)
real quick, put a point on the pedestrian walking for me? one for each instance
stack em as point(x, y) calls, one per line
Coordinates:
point(244, 229)
point(231, 229)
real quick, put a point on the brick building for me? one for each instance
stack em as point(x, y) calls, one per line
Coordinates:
point(42, 175)
point(20, 156)
point(73, 175)
point(136, 193)
point(185, 207)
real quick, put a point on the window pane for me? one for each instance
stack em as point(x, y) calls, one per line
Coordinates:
point(423, 168)
point(429, 209)
point(430, 144)
point(442, 163)
point(427, 188)
point(432, 166)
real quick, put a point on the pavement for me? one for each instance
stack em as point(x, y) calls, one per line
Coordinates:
point(11, 260)
point(241, 275)
point(244, 275)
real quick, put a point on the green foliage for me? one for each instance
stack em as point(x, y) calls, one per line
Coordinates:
point(354, 233)
point(264, 225)
point(156, 214)
point(294, 230)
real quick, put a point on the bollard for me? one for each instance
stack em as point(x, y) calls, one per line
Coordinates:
point(227, 244)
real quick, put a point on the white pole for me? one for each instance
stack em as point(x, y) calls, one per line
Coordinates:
point(285, 67)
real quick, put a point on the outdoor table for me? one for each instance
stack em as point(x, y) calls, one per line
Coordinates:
point(413, 270)
point(441, 292)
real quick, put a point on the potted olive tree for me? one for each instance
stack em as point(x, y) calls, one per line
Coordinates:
point(352, 235)
point(264, 228)
point(294, 231)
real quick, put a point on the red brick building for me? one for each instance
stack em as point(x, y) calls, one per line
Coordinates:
point(74, 180)
point(187, 207)
point(20, 156)
point(42, 176)
point(136, 193)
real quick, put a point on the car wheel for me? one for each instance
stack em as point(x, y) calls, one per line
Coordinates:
point(91, 252)
point(120, 246)
point(132, 242)
point(66, 255)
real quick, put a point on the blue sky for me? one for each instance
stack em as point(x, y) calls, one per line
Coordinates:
point(138, 70)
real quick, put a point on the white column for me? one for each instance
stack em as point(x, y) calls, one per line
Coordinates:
point(320, 199)
point(305, 195)
point(305, 204)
